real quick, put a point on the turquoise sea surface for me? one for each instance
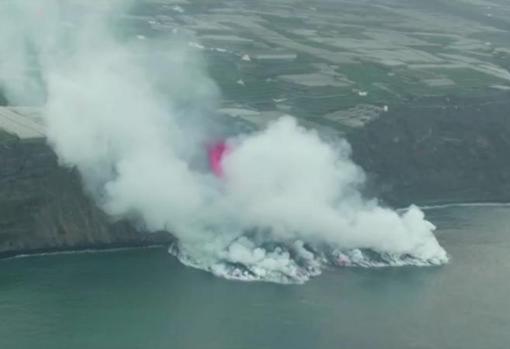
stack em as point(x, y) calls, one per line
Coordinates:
point(144, 298)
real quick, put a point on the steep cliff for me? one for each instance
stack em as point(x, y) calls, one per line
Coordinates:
point(43, 207)
point(427, 151)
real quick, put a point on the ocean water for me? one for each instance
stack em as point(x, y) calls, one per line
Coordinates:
point(145, 298)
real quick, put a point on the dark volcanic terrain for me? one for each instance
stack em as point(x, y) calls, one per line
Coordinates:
point(420, 89)
point(429, 152)
point(43, 206)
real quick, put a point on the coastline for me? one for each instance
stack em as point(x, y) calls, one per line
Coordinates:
point(77, 250)
point(432, 153)
point(114, 247)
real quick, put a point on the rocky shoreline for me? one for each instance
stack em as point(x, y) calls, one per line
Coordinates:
point(431, 151)
point(43, 207)
point(80, 249)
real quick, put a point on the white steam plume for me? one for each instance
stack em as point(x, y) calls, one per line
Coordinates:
point(120, 110)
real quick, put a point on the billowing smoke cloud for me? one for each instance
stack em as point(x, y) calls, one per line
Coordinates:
point(133, 116)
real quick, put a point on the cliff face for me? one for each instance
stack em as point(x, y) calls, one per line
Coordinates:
point(43, 207)
point(425, 152)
